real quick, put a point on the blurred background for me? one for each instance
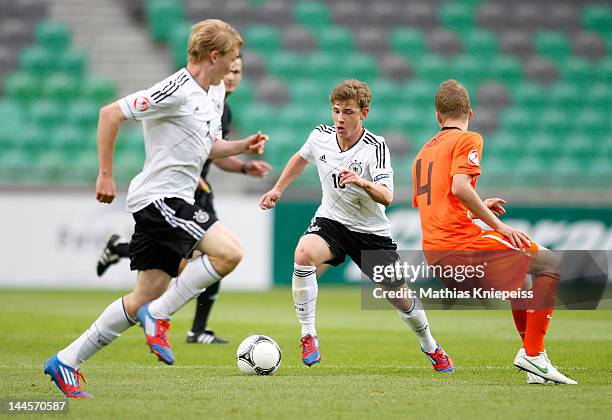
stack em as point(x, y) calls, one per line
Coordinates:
point(539, 74)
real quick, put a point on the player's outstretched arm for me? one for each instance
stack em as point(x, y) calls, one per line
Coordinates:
point(293, 169)
point(463, 190)
point(253, 144)
point(255, 168)
point(380, 193)
point(109, 121)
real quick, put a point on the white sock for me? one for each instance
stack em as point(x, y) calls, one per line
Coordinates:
point(113, 321)
point(305, 290)
point(195, 278)
point(417, 321)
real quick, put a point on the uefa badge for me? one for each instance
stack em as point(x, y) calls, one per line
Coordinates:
point(473, 158)
point(141, 104)
point(201, 216)
point(356, 167)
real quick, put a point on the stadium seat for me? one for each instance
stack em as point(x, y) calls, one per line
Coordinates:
point(589, 45)
point(83, 114)
point(408, 42)
point(506, 69)
point(598, 17)
point(492, 95)
point(38, 61)
point(177, 40)
point(543, 146)
point(61, 88)
point(603, 70)
point(241, 98)
point(386, 92)
point(22, 87)
point(468, 69)
point(358, 66)
point(163, 16)
point(565, 96)
point(72, 62)
point(553, 44)
point(298, 39)
point(554, 122)
point(47, 114)
point(53, 36)
point(312, 14)
point(518, 122)
point(540, 70)
point(321, 65)
point(100, 91)
point(457, 16)
point(577, 71)
point(335, 40)
point(432, 68)
point(443, 42)
point(599, 96)
point(68, 139)
point(480, 43)
point(310, 93)
point(593, 123)
point(264, 39)
point(529, 96)
point(420, 93)
point(287, 65)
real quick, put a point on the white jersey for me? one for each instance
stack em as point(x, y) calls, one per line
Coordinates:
point(349, 204)
point(181, 121)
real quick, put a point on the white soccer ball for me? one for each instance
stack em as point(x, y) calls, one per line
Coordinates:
point(258, 354)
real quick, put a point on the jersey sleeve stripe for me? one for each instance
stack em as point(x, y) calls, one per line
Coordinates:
point(379, 150)
point(171, 92)
point(167, 86)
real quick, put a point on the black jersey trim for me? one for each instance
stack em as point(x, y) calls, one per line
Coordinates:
point(170, 88)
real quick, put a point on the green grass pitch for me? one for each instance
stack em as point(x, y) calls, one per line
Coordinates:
point(371, 363)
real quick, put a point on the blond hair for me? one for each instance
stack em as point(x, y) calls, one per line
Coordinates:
point(452, 100)
point(212, 35)
point(352, 90)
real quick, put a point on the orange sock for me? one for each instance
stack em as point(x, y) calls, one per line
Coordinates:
point(538, 319)
point(520, 321)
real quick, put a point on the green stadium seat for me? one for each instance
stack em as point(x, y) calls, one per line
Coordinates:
point(597, 17)
point(312, 14)
point(68, 139)
point(14, 165)
point(553, 45)
point(565, 96)
point(503, 145)
point(603, 70)
point(100, 91)
point(581, 147)
point(468, 69)
point(387, 92)
point(529, 96)
point(554, 122)
point(578, 71)
point(432, 68)
point(543, 146)
point(47, 114)
point(54, 36)
point(83, 114)
point(531, 171)
point(22, 87)
point(593, 123)
point(53, 164)
point(335, 40)
point(83, 171)
point(178, 40)
point(408, 42)
point(261, 38)
point(321, 65)
point(258, 117)
point(38, 61)
point(300, 118)
point(420, 93)
point(72, 62)
point(357, 66)
point(457, 16)
point(599, 96)
point(518, 122)
point(287, 65)
point(33, 139)
point(481, 43)
point(61, 88)
point(506, 69)
point(309, 92)
point(163, 16)
point(12, 117)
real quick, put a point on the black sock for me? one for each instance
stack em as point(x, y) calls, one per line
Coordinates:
point(203, 307)
point(123, 249)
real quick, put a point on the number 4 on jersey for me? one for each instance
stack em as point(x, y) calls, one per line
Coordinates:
point(424, 188)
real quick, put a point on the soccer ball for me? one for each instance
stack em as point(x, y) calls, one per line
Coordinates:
point(258, 354)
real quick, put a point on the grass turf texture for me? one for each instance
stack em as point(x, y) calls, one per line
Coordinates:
point(371, 363)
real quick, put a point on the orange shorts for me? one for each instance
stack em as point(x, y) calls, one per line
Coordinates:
point(489, 262)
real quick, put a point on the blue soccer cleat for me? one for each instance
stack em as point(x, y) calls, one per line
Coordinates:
point(66, 378)
point(156, 332)
point(310, 350)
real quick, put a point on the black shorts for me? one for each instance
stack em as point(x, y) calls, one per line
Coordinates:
point(204, 199)
point(343, 242)
point(167, 231)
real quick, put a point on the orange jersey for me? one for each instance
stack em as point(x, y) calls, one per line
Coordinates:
point(444, 220)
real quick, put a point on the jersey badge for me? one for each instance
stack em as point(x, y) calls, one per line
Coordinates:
point(473, 158)
point(201, 216)
point(356, 167)
point(141, 103)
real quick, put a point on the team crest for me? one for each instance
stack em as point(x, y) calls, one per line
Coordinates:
point(141, 103)
point(201, 216)
point(218, 106)
point(356, 167)
point(473, 158)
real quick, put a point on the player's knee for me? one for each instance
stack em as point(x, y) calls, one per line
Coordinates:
point(304, 256)
point(226, 262)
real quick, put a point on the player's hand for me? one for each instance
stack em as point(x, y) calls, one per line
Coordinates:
point(495, 205)
point(349, 177)
point(105, 189)
point(258, 168)
point(255, 143)
point(517, 238)
point(269, 199)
